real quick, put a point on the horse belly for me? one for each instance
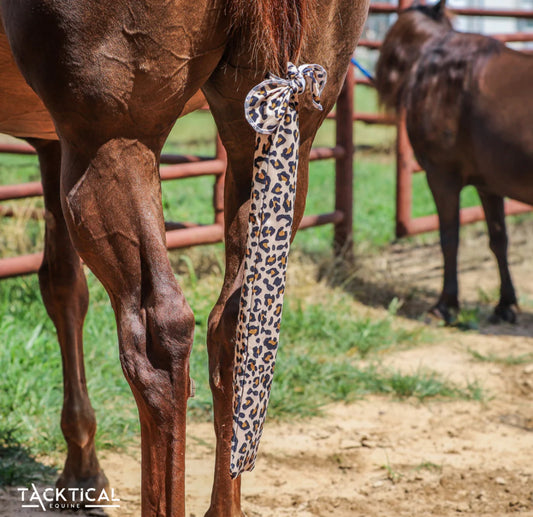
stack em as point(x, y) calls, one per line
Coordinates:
point(501, 126)
point(22, 113)
point(503, 167)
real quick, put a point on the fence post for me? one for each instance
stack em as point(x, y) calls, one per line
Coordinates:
point(343, 237)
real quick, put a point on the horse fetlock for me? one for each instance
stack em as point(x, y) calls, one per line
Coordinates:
point(444, 312)
point(72, 485)
point(81, 469)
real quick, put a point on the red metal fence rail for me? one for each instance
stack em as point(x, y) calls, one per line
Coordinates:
point(178, 166)
point(406, 164)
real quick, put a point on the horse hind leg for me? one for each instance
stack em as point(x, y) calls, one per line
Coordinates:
point(113, 209)
point(65, 295)
point(493, 206)
point(239, 141)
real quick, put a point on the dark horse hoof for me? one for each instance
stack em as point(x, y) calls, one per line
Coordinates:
point(503, 313)
point(443, 313)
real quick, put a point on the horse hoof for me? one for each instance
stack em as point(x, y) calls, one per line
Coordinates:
point(82, 491)
point(503, 313)
point(234, 513)
point(441, 313)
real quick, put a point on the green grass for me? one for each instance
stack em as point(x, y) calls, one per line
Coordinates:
point(336, 331)
point(509, 360)
point(318, 362)
point(19, 169)
point(424, 384)
point(468, 318)
point(31, 383)
point(428, 465)
point(303, 385)
point(393, 475)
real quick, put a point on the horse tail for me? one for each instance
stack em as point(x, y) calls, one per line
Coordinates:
point(276, 28)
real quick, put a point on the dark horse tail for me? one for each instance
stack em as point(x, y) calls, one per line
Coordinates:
point(276, 28)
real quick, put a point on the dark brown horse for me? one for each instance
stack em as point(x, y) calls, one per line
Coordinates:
point(114, 77)
point(469, 112)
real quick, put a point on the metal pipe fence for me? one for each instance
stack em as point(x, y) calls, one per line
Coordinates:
point(186, 166)
point(180, 235)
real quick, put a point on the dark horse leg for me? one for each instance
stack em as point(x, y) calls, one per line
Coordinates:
point(446, 189)
point(493, 205)
point(65, 295)
point(225, 498)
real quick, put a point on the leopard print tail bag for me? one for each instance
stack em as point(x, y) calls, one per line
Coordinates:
point(272, 110)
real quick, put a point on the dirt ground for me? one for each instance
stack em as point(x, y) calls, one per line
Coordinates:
point(381, 457)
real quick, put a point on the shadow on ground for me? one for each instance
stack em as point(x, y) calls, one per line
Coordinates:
point(412, 274)
point(20, 469)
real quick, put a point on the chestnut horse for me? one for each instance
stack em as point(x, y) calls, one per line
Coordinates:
point(469, 111)
point(114, 77)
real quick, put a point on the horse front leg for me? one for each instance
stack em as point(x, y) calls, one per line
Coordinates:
point(493, 206)
point(65, 295)
point(446, 189)
point(113, 210)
